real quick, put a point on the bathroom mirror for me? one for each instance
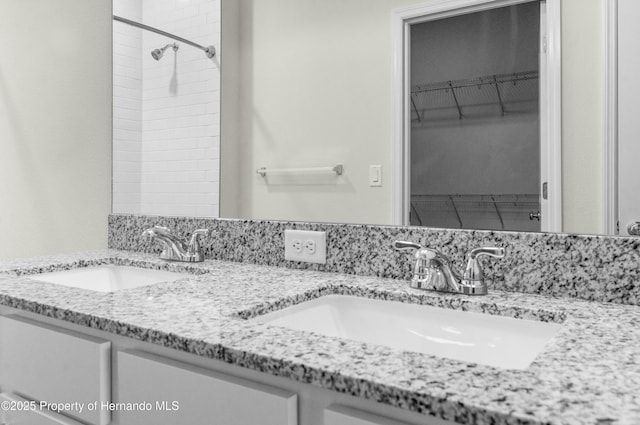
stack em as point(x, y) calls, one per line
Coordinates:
point(306, 87)
point(166, 107)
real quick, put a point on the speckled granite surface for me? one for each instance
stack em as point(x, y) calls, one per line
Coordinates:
point(589, 374)
point(598, 268)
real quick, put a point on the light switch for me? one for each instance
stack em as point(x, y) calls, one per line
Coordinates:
point(375, 175)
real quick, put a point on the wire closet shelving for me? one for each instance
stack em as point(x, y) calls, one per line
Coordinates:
point(478, 96)
point(481, 211)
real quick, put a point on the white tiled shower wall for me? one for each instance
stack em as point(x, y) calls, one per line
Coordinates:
point(166, 142)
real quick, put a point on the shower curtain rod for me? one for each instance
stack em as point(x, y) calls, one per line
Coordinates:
point(210, 50)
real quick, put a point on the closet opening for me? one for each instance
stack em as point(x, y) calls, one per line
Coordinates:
point(476, 137)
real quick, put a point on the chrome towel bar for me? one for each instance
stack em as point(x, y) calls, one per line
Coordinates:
point(338, 169)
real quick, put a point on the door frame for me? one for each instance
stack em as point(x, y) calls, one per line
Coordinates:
point(550, 101)
point(610, 125)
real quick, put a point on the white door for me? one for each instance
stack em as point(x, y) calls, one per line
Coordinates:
point(628, 113)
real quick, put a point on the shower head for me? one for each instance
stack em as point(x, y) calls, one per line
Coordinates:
point(158, 53)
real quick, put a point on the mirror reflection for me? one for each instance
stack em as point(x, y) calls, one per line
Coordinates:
point(299, 88)
point(166, 107)
point(475, 122)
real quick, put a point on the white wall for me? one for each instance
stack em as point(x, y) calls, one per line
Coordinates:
point(582, 115)
point(178, 163)
point(313, 90)
point(55, 126)
point(231, 150)
point(127, 109)
point(313, 87)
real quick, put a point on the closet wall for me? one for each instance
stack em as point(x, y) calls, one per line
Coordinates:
point(475, 150)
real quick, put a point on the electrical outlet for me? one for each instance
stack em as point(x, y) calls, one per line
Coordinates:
point(310, 246)
point(305, 246)
point(297, 246)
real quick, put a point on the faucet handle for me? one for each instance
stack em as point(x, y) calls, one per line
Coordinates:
point(422, 252)
point(473, 271)
point(154, 231)
point(405, 246)
point(497, 252)
point(157, 230)
point(194, 243)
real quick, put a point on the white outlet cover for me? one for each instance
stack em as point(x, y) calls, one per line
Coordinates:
point(292, 237)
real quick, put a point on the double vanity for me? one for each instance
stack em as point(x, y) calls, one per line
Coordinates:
point(161, 342)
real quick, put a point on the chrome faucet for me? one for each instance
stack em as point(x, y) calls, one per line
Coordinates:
point(176, 248)
point(434, 271)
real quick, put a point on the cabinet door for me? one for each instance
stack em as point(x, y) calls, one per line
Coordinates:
point(14, 413)
point(166, 392)
point(51, 364)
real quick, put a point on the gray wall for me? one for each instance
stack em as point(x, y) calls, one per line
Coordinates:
point(483, 153)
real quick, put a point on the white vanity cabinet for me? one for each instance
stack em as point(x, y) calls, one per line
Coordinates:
point(164, 391)
point(50, 364)
point(44, 359)
point(15, 413)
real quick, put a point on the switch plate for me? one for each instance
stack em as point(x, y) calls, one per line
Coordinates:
point(314, 246)
point(375, 175)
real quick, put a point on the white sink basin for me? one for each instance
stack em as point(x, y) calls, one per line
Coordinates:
point(471, 337)
point(108, 278)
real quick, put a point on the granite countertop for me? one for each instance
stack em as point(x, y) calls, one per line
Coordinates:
point(588, 374)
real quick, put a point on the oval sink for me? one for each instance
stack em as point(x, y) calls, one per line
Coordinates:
point(472, 337)
point(108, 278)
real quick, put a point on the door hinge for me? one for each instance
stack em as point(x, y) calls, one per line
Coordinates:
point(544, 44)
point(545, 191)
point(618, 227)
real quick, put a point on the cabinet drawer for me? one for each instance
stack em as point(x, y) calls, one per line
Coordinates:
point(341, 415)
point(54, 365)
point(178, 393)
point(15, 414)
